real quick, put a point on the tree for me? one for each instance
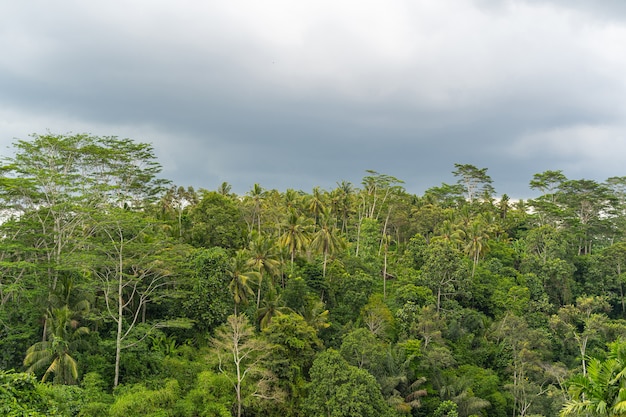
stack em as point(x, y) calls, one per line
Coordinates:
point(296, 235)
point(582, 322)
point(475, 181)
point(526, 346)
point(338, 389)
point(343, 198)
point(241, 357)
point(206, 302)
point(58, 182)
point(361, 348)
point(477, 237)
point(55, 354)
point(443, 271)
point(613, 258)
point(546, 207)
point(240, 273)
point(136, 266)
point(316, 205)
point(176, 201)
point(216, 221)
point(588, 207)
point(294, 346)
point(326, 241)
point(256, 196)
point(601, 391)
point(271, 306)
point(20, 396)
point(263, 258)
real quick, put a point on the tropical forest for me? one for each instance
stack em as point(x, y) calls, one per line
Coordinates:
point(123, 294)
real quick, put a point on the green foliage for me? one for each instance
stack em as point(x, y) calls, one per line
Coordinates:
point(211, 396)
point(138, 401)
point(350, 293)
point(294, 346)
point(216, 221)
point(207, 303)
point(486, 307)
point(361, 348)
point(339, 389)
point(21, 396)
point(446, 409)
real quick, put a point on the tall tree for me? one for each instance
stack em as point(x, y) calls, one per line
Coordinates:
point(240, 274)
point(443, 271)
point(339, 389)
point(326, 241)
point(475, 181)
point(263, 258)
point(136, 266)
point(476, 243)
point(241, 357)
point(256, 196)
point(296, 234)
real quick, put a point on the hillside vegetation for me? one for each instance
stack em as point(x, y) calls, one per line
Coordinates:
point(122, 294)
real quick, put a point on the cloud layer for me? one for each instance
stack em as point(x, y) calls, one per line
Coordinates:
point(297, 94)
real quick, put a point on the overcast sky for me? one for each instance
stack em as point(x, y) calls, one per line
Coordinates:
point(294, 94)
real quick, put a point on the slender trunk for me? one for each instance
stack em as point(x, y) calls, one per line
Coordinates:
point(238, 391)
point(258, 295)
point(583, 350)
point(180, 224)
point(380, 247)
point(358, 237)
point(438, 299)
point(45, 328)
point(120, 316)
point(385, 275)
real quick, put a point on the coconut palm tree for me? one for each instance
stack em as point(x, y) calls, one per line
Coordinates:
point(316, 205)
point(257, 194)
point(476, 241)
point(296, 234)
point(326, 240)
point(55, 353)
point(271, 306)
point(240, 274)
point(263, 258)
point(449, 232)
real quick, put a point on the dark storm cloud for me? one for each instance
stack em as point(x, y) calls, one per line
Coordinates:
point(297, 95)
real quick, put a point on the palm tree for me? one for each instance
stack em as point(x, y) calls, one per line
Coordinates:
point(271, 306)
point(449, 232)
point(459, 390)
point(257, 194)
point(476, 241)
point(314, 312)
point(345, 195)
point(240, 274)
point(263, 259)
point(316, 205)
point(601, 391)
point(55, 354)
point(296, 234)
point(291, 199)
point(326, 241)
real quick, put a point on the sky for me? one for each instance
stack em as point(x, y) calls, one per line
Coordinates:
point(298, 94)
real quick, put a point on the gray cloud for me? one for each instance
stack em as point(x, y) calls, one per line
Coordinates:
point(293, 95)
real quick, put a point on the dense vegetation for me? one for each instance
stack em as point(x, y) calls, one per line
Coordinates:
point(123, 295)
